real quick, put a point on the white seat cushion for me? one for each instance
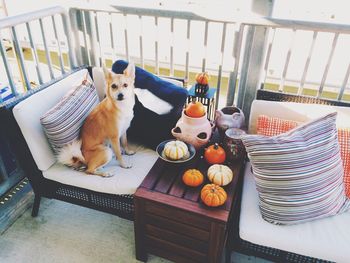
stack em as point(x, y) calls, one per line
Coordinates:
point(125, 181)
point(28, 112)
point(327, 238)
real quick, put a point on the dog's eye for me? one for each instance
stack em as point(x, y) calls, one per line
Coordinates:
point(114, 86)
point(125, 85)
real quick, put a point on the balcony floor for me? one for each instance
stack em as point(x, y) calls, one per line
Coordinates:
point(64, 232)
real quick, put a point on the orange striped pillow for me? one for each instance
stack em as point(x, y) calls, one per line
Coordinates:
point(271, 126)
point(344, 141)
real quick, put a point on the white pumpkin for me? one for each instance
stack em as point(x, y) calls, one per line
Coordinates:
point(175, 150)
point(220, 174)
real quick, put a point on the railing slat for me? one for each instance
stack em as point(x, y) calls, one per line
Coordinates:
point(7, 67)
point(172, 47)
point(268, 54)
point(76, 53)
point(83, 21)
point(93, 40)
point(205, 45)
point(286, 64)
point(329, 61)
point(345, 82)
point(68, 27)
point(35, 53)
point(141, 43)
point(126, 39)
point(113, 45)
point(60, 56)
point(156, 46)
point(307, 63)
point(223, 39)
point(188, 35)
point(19, 53)
point(234, 76)
point(231, 89)
point(102, 59)
point(47, 52)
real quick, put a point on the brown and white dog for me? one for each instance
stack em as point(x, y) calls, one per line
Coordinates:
point(106, 124)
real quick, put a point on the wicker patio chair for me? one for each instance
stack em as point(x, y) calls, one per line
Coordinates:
point(235, 242)
point(120, 205)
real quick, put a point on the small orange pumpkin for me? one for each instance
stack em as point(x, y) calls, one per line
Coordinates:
point(193, 177)
point(195, 109)
point(215, 154)
point(213, 195)
point(203, 78)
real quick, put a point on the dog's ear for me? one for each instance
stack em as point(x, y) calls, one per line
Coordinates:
point(130, 70)
point(108, 74)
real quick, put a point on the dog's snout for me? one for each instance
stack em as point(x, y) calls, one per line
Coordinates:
point(120, 96)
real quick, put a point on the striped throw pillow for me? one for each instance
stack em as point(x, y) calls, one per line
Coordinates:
point(299, 174)
point(271, 126)
point(62, 123)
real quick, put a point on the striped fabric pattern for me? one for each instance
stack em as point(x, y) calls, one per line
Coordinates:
point(299, 174)
point(62, 123)
point(271, 126)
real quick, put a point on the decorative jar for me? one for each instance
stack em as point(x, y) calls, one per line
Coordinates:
point(233, 144)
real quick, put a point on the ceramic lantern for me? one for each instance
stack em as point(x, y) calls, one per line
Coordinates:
point(195, 131)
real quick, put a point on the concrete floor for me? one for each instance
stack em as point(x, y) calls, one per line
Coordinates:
point(67, 233)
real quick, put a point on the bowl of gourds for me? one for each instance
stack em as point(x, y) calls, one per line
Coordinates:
point(175, 151)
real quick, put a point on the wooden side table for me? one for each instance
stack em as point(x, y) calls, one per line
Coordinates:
point(172, 222)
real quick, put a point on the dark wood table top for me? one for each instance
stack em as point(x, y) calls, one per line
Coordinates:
point(163, 184)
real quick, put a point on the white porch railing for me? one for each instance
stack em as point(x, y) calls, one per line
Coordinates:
point(14, 28)
point(242, 55)
point(245, 61)
point(170, 54)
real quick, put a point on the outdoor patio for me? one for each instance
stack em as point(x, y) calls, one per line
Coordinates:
point(288, 72)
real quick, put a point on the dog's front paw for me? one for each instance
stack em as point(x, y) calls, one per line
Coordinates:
point(129, 152)
point(107, 174)
point(126, 165)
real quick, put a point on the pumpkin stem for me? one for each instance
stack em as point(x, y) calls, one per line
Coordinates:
point(216, 146)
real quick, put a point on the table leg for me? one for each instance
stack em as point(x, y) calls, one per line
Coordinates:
point(139, 229)
point(216, 242)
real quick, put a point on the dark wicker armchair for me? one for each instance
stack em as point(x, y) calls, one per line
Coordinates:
point(120, 205)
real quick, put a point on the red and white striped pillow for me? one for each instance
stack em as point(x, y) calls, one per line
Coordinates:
point(271, 126)
point(299, 174)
